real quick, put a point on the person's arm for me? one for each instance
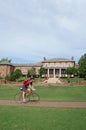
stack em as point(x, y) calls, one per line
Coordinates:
point(30, 86)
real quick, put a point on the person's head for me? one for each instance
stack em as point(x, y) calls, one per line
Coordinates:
point(31, 78)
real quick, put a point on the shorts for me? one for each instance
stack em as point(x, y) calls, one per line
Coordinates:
point(23, 88)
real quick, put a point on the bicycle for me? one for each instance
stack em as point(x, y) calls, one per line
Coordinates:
point(29, 97)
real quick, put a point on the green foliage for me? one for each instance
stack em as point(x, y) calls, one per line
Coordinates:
point(20, 79)
point(18, 73)
point(31, 72)
point(42, 71)
point(71, 70)
point(14, 75)
point(5, 60)
point(82, 66)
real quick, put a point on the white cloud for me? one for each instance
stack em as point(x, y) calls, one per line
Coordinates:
point(37, 28)
point(66, 23)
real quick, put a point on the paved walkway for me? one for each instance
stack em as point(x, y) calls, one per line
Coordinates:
point(45, 104)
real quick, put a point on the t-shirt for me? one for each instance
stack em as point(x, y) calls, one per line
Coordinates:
point(27, 83)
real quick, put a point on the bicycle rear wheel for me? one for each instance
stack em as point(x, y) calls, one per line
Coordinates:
point(34, 97)
point(18, 97)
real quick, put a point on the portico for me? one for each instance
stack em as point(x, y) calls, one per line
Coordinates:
point(57, 67)
point(55, 72)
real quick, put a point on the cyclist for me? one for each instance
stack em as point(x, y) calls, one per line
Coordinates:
point(25, 88)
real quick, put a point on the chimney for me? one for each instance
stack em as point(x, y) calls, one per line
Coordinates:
point(44, 58)
point(72, 58)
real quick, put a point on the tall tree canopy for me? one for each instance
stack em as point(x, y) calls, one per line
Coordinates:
point(42, 71)
point(71, 70)
point(31, 72)
point(5, 60)
point(82, 65)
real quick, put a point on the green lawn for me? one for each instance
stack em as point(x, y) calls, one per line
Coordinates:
point(76, 79)
point(44, 118)
point(50, 93)
point(41, 118)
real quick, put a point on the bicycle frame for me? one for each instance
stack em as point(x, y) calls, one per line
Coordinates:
point(29, 96)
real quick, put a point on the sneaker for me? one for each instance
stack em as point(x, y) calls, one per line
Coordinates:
point(21, 88)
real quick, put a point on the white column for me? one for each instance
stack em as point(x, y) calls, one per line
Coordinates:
point(54, 72)
point(59, 72)
point(48, 72)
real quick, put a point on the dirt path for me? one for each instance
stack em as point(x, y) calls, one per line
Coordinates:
point(45, 104)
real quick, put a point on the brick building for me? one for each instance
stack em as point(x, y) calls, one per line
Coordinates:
point(5, 69)
point(54, 67)
point(57, 67)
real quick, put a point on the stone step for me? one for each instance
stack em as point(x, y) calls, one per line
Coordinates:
point(54, 80)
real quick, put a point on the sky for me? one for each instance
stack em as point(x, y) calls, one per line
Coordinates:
point(33, 29)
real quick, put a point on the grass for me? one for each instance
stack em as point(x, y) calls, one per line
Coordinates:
point(44, 118)
point(55, 93)
point(76, 79)
point(40, 118)
point(48, 93)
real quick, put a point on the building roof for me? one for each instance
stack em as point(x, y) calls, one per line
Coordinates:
point(30, 65)
point(12, 64)
point(56, 59)
point(6, 63)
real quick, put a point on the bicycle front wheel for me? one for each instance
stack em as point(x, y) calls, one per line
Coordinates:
point(18, 97)
point(34, 97)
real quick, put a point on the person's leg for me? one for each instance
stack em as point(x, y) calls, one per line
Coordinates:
point(23, 94)
point(29, 91)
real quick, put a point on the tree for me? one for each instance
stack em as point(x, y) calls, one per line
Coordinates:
point(31, 72)
point(5, 60)
point(42, 71)
point(82, 66)
point(18, 73)
point(72, 70)
point(15, 75)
